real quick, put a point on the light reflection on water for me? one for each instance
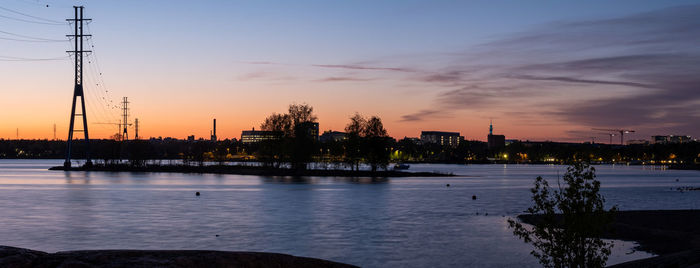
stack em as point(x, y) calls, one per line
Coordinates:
point(407, 222)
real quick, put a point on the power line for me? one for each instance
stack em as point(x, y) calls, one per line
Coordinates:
point(30, 21)
point(30, 16)
point(92, 57)
point(8, 58)
point(32, 41)
point(97, 101)
point(99, 93)
point(33, 37)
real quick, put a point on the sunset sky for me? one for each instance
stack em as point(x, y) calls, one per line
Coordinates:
point(542, 70)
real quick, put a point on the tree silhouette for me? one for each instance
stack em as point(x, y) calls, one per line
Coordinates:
point(296, 143)
point(303, 145)
point(376, 143)
point(353, 143)
point(367, 138)
point(301, 113)
point(278, 122)
point(572, 221)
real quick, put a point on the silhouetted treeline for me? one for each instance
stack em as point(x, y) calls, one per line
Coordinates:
point(375, 149)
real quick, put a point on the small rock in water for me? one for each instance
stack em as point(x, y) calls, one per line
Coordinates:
point(448, 185)
point(197, 193)
point(217, 235)
point(473, 197)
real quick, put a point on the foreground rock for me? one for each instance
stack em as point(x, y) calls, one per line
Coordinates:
point(688, 258)
point(673, 234)
point(12, 257)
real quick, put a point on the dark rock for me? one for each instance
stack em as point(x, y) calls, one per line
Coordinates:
point(688, 258)
point(19, 258)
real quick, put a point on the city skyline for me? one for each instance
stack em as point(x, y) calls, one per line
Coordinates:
point(549, 72)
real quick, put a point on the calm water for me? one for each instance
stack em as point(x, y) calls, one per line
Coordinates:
point(399, 222)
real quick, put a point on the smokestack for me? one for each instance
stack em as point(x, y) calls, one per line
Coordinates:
point(213, 132)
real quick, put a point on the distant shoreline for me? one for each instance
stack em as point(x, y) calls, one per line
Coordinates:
point(672, 234)
point(669, 166)
point(252, 170)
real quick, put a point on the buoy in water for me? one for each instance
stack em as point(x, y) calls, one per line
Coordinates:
point(197, 193)
point(448, 185)
point(473, 197)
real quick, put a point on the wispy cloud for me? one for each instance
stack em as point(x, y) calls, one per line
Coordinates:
point(362, 67)
point(639, 71)
point(336, 66)
point(422, 114)
point(344, 79)
point(579, 80)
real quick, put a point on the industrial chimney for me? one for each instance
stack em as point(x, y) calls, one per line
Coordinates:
point(213, 132)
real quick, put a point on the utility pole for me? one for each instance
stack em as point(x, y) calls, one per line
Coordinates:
point(136, 128)
point(125, 114)
point(54, 131)
point(17, 137)
point(78, 88)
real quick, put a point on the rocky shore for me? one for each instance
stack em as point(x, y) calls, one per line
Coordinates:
point(672, 234)
point(253, 170)
point(12, 257)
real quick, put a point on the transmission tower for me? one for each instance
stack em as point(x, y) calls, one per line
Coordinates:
point(136, 129)
point(78, 88)
point(125, 114)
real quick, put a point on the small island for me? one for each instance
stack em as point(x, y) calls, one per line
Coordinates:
point(250, 170)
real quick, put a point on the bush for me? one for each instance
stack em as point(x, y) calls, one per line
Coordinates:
point(573, 219)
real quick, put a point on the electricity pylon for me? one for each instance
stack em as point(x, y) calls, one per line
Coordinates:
point(78, 88)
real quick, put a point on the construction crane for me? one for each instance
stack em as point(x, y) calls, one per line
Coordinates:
point(621, 131)
point(609, 134)
point(119, 128)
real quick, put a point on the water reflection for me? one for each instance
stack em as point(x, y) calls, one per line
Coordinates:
point(317, 180)
point(290, 180)
point(371, 222)
point(73, 177)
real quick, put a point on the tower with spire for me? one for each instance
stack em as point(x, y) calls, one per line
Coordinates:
point(495, 141)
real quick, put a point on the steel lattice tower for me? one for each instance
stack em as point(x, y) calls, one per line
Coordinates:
point(125, 114)
point(78, 88)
